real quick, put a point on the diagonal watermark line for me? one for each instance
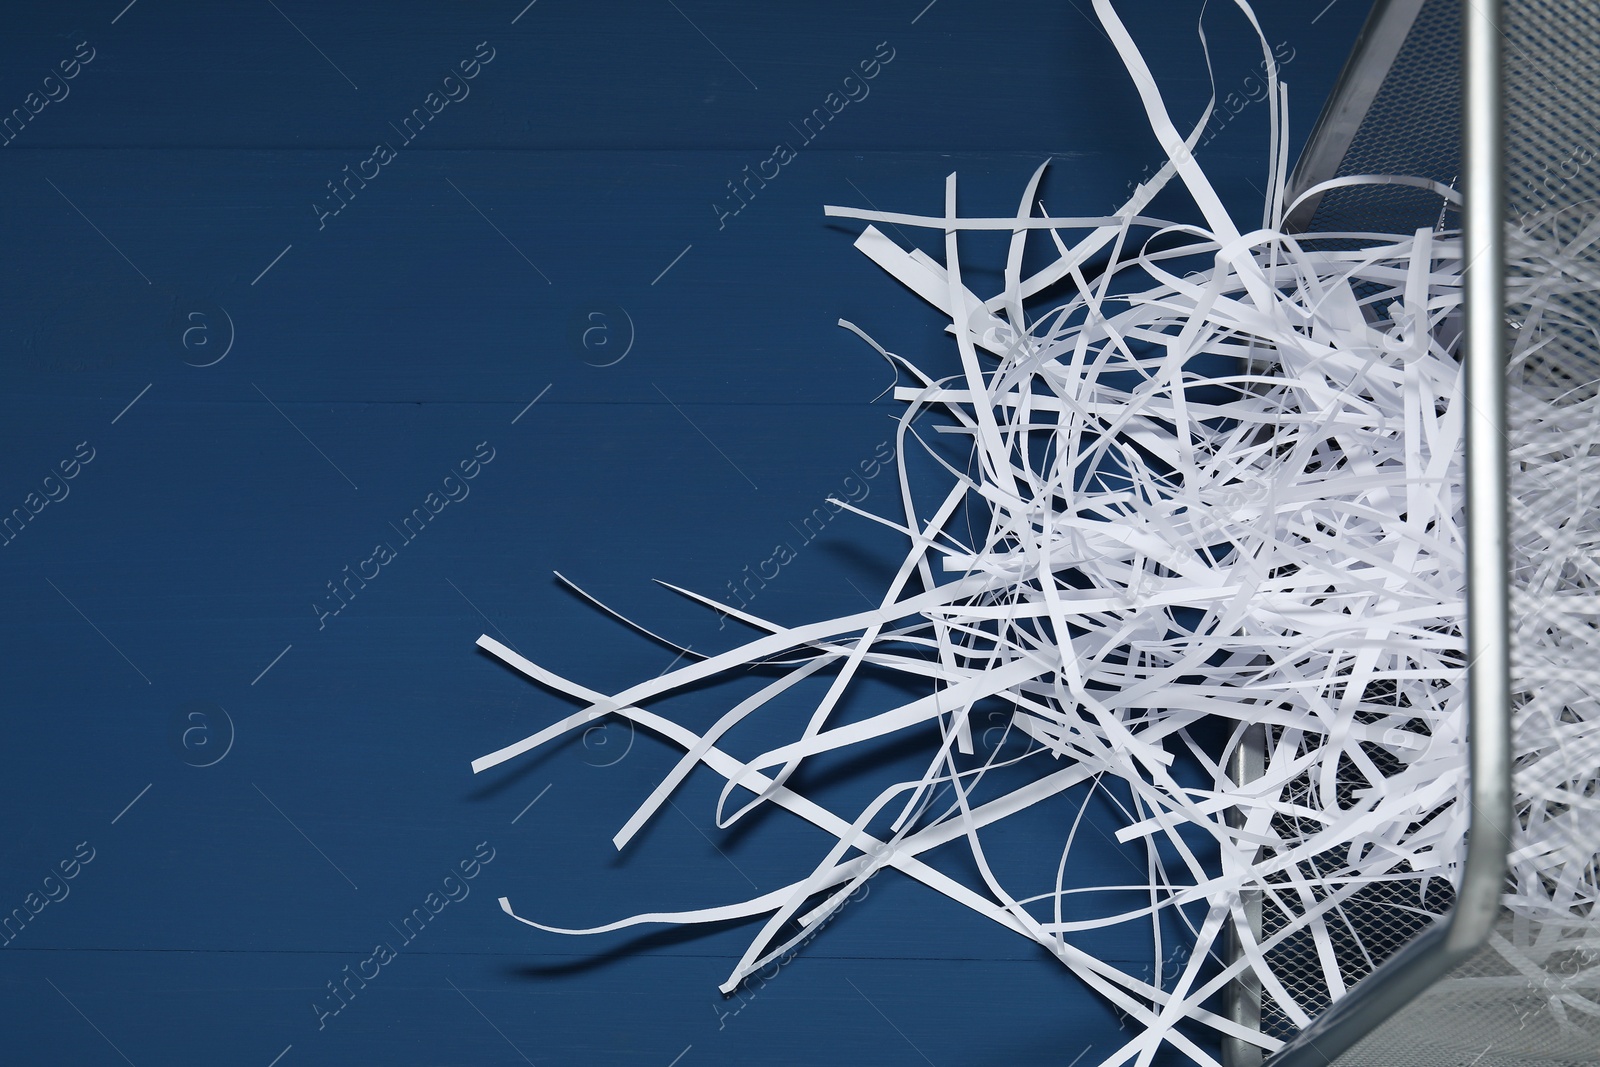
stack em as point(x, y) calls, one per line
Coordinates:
point(857, 588)
point(131, 803)
point(910, 243)
point(1324, 11)
point(90, 1021)
point(524, 11)
point(713, 44)
point(1091, 21)
point(313, 44)
point(682, 653)
point(679, 1056)
point(501, 232)
point(132, 402)
point(99, 631)
point(890, 1021)
point(491, 1023)
point(714, 845)
point(1075, 1059)
point(531, 803)
point(102, 233)
point(532, 402)
point(274, 262)
point(302, 433)
point(271, 665)
point(488, 620)
point(921, 13)
point(674, 263)
point(702, 433)
point(302, 833)
point(124, 11)
point(279, 1056)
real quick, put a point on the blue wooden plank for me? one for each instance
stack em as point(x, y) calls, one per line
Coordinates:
point(253, 393)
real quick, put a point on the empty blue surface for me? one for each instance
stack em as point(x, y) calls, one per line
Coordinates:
point(252, 393)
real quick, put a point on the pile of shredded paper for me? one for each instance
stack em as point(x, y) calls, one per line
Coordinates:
point(1220, 487)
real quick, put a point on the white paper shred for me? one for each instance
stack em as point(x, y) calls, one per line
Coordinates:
point(1160, 561)
point(1553, 939)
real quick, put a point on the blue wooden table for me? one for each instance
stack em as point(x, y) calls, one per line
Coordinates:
point(329, 332)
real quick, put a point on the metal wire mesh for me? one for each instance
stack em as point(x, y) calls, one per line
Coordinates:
point(1399, 137)
point(1373, 920)
point(1552, 157)
point(1492, 1012)
point(1531, 996)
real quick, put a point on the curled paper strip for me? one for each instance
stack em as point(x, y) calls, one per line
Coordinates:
point(1217, 487)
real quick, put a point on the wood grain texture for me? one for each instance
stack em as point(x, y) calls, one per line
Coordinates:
point(371, 353)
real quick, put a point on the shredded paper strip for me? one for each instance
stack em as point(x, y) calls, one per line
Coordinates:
point(1220, 492)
